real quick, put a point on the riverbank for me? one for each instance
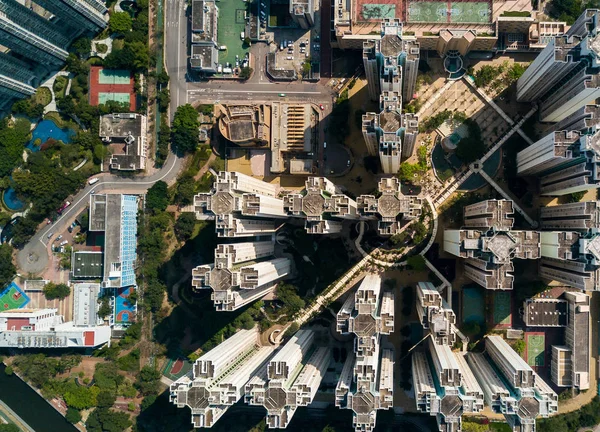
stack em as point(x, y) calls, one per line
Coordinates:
point(14, 418)
point(31, 408)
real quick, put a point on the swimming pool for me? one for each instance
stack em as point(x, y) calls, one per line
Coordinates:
point(11, 201)
point(48, 129)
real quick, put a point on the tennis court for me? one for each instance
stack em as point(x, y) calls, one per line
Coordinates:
point(117, 97)
point(471, 12)
point(428, 12)
point(473, 306)
point(502, 315)
point(12, 297)
point(536, 349)
point(114, 76)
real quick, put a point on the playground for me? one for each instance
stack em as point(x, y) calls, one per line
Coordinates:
point(124, 309)
point(536, 349)
point(13, 298)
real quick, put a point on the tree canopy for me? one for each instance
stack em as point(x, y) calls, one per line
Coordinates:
point(157, 197)
point(288, 294)
point(471, 148)
point(56, 291)
point(184, 131)
point(7, 268)
point(120, 22)
point(107, 420)
point(184, 227)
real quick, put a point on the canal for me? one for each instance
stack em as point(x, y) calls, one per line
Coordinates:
point(30, 406)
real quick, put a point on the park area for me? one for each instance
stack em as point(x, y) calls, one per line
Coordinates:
point(13, 298)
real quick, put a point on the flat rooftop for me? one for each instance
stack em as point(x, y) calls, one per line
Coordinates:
point(121, 125)
point(87, 264)
point(541, 312)
point(97, 217)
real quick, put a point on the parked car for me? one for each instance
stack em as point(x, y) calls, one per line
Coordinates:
point(50, 234)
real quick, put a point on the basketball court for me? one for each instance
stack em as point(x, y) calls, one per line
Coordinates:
point(124, 310)
point(175, 369)
point(12, 297)
point(471, 12)
point(536, 349)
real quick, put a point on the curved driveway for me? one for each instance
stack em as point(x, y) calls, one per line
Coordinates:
point(34, 256)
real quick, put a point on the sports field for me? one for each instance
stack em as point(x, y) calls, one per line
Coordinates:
point(429, 12)
point(536, 349)
point(502, 315)
point(459, 12)
point(471, 12)
point(124, 310)
point(13, 298)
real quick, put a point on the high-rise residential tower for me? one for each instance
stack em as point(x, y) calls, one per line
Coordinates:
point(291, 379)
point(489, 244)
point(241, 273)
point(565, 162)
point(220, 376)
point(435, 314)
point(564, 77)
point(323, 204)
point(367, 380)
point(391, 207)
point(510, 386)
point(391, 65)
point(444, 385)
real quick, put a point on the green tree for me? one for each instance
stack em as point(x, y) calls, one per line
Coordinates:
point(10, 427)
point(147, 402)
point(105, 399)
point(245, 73)
point(119, 22)
point(471, 148)
point(73, 415)
point(81, 46)
point(56, 291)
point(104, 310)
point(157, 197)
point(288, 295)
point(81, 397)
point(8, 370)
point(416, 262)
point(184, 131)
point(7, 268)
point(184, 227)
point(107, 420)
point(519, 347)
point(186, 189)
point(575, 196)
point(147, 382)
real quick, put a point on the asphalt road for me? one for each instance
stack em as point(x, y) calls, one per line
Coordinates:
point(33, 257)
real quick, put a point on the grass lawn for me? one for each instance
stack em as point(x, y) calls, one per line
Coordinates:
point(43, 96)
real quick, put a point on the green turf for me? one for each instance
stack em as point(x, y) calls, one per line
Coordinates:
point(502, 308)
point(117, 97)
point(378, 11)
point(429, 12)
point(229, 29)
point(477, 13)
point(535, 350)
point(7, 301)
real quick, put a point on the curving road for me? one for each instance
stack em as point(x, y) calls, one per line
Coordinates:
point(34, 257)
